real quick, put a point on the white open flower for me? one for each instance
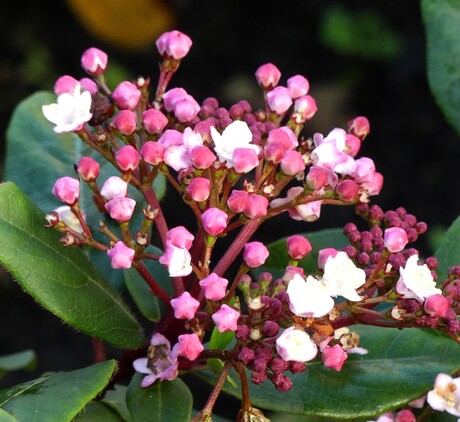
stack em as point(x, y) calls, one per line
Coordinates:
point(445, 395)
point(235, 135)
point(71, 111)
point(342, 277)
point(296, 345)
point(416, 281)
point(67, 217)
point(308, 298)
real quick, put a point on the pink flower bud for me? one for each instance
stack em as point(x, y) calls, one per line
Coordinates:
point(323, 256)
point(256, 207)
point(298, 247)
point(274, 152)
point(153, 152)
point(214, 287)
point(292, 163)
point(199, 189)
point(177, 260)
point(128, 158)
point(374, 184)
point(347, 190)
point(126, 96)
point(395, 239)
point(334, 357)
point(268, 76)
point(353, 145)
point(214, 221)
point(67, 190)
point(177, 157)
point(174, 44)
point(279, 100)
point(88, 169)
point(120, 208)
point(121, 256)
point(226, 319)
point(186, 109)
point(94, 61)
point(238, 201)
point(283, 135)
point(189, 346)
point(405, 415)
point(304, 109)
point(171, 97)
point(171, 137)
point(204, 129)
point(65, 84)
point(359, 127)
point(154, 121)
point(125, 122)
point(185, 306)
point(255, 254)
point(244, 160)
point(437, 305)
point(298, 86)
point(179, 237)
point(291, 271)
point(89, 85)
point(202, 157)
point(114, 186)
point(317, 178)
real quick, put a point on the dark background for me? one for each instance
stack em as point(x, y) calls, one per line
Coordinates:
point(361, 58)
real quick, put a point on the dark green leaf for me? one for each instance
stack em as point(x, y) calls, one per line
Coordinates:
point(401, 366)
point(116, 399)
point(20, 360)
point(448, 252)
point(278, 258)
point(98, 412)
point(442, 27)
point(162, 401)
point(61, 279)
point(37, 157)
point(7, 417)
point(57, 397)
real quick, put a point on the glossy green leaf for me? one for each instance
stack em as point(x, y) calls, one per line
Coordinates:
point(21, 360)
point(57, 397)
point(162, 401)
point(401, 366)
point(116, 399)
point(448, 252)
point(37, 156)
point(442, 28)
point(7, 417)
point(278, 258)
point(150, 306)
point(98, 412)
point(61, 279)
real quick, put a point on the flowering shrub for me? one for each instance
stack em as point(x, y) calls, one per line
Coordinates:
point(309, 317)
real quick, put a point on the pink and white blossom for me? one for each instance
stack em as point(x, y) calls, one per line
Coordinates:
point(199, 189)
point(295, 345)
point(214, 287)
point(88, 169)
point(279, 100)
point(67, 190)
point(298, 86)
point(446, 394)
point(153, 152)
point(128, 158)
point(214, 221)
point(66, 84)
point(177, 260)
point(268, 76)
point(120, 256)
point(437, 305)
point(416, 281)
point(179, 237)
point(188, 346)
point(114, 186)
point(298, 247)
point(126, 95)
point(120, 208)
point(154, 121)
point(255, 254)
point(334, 357)
point(185, 306)
point(94, 61)
point(67, 217)
point(174, 44)
point(163, 365)
point(125, 122)
point(226, 318)
point(395, 239)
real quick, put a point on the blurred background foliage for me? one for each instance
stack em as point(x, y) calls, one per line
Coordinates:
point(360, 58)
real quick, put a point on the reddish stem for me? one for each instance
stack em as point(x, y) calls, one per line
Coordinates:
point(160, 221)
point(157, 290)
point(99, 350)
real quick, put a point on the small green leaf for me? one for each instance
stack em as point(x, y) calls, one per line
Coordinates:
point(21, 360)
point(278, 258)
point(7, 417)
point(150, 306)
point(61, 279)
point(162, 401)
point(401, 366)
point(116, 399)
point(37, 156)
point(98, 412)
point(442, 28)
point(57, 397)
point(448, 252)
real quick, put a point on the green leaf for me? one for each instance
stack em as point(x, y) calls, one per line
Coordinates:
point(162, 401)
point(401, 366)
point(442, 28)
point(448, 252)
point(278, 258)
point(61, 279)
point(7, 417)
point(116, 399)
point(57, 397)
point(96, 412)
point(150, 306)
point(21, 360)
point(37, 157)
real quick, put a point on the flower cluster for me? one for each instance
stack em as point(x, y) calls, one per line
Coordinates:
point(235, 168)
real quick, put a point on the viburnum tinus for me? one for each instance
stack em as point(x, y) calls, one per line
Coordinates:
point(235, 168)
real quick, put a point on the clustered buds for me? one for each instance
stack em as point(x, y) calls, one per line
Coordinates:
point(236, 168)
